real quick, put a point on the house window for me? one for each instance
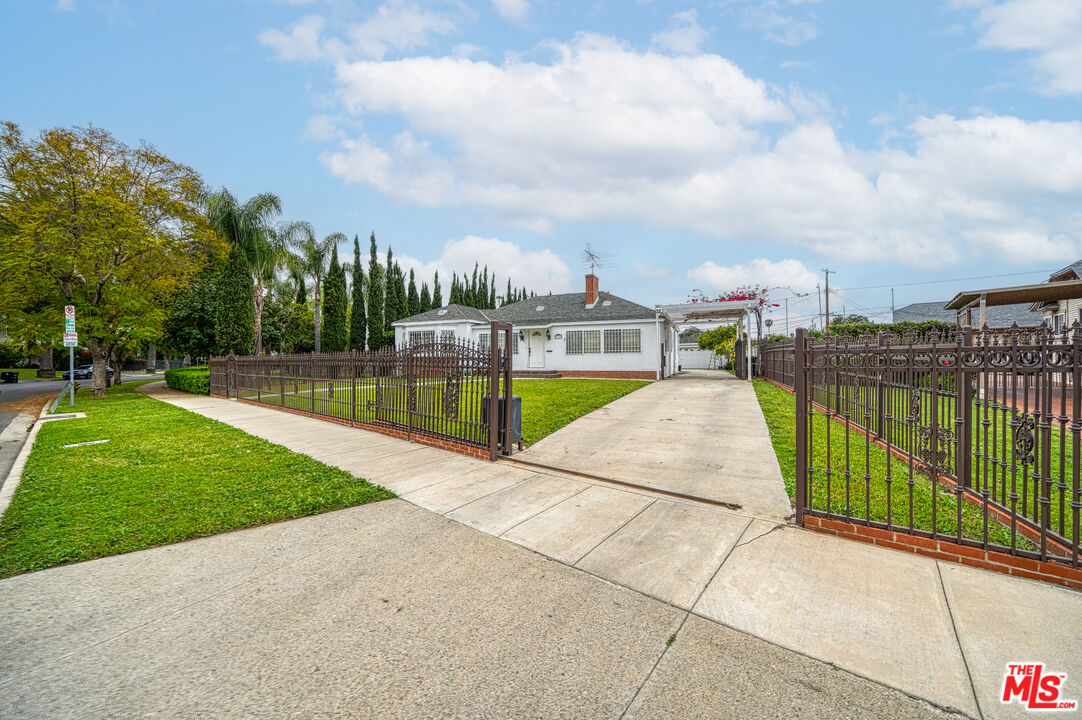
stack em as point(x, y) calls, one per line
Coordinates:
point(417, 337)
point(623, 341)
point(447, 335)
point(1057, 323)
point(483, 341)
point(582, 342)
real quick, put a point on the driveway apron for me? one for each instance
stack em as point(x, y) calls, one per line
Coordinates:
point(699, 433)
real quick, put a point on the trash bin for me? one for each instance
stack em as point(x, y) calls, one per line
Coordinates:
point(516, 415)
point(9, 377)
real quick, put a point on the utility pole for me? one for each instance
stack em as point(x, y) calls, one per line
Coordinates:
point(892, 304)
point(819, 294)
point(787, 316)
point(826, 292)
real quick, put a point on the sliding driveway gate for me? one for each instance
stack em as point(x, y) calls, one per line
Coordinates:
point(982, 429)
point(444, 390)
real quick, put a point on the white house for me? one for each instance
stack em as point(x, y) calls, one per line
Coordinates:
point(590, 334)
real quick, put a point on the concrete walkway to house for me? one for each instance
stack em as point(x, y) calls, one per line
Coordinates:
point(934, 630)
point(700, 433)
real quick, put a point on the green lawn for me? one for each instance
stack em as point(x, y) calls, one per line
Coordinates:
point(547, 404)
point(866, 501)
point(30, 373)
point(165, 475)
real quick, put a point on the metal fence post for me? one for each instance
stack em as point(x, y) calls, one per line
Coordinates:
point(312, 380)
point(493, 391)
point(965, 432)
point(353, 386)
point(282, 380)
point(507, 390)
point(800, 379)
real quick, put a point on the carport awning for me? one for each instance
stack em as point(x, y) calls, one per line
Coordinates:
point(708, 312)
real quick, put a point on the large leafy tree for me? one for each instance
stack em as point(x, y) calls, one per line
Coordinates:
point(357, 321)
point(248, 227)
point(193, 315)
point(375, 298)
point(334, 335)
point(314, 256)
point(91, 222)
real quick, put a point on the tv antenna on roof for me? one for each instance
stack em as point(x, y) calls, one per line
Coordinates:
point(594, 259)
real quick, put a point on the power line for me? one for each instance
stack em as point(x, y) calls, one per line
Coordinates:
point(932, 282)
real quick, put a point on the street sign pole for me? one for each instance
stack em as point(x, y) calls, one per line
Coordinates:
point(70, 340)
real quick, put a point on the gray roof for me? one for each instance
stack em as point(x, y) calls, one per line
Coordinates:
point(995, 316)
point(570, 307)
point(1075, 267)
point(449, 313)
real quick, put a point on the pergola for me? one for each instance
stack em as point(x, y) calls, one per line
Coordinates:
point(964, 302)
point(725, 312)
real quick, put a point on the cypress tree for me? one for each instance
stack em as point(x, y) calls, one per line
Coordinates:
point(482, 291)
point(388, 293)
point(437, 293)
point(507, 297)
point(302, 292)
point(413, 300)
point(334, 336)
point(357, 322)
point(401, 302)
point(452, 298)
point(473, 289)
point(492, 294)
point(235, 326)
point(426, 298)
point(375, 298)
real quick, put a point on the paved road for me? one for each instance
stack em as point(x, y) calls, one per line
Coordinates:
point(700, 432)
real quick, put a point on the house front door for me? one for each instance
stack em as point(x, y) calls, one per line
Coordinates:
point(537, 349)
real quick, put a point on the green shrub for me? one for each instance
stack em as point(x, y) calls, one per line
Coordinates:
point(190, 379)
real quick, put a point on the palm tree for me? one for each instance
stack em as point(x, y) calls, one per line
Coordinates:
point(314, 255)
point(247, 227)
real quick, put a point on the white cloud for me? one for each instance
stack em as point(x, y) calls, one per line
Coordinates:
point(541, 271)
point(684, 36)
point(779, 23)
point(649, 272)
point(601, 131)
point(1049, 30)
point(395, 26)
point(513, 10)
point(760, 271)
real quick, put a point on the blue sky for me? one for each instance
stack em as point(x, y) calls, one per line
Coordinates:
point(702, 145)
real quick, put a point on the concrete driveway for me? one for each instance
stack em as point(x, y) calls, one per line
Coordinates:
point(700, 433)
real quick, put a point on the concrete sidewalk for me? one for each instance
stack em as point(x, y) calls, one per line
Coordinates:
point(700, 433)
point(386, 611)
point(933, 630)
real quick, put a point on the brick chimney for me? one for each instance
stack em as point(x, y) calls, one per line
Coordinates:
point(591, 289)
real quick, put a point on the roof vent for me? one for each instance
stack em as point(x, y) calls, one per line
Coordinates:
point(442, 312)
point(606, 303)
point(540, 308)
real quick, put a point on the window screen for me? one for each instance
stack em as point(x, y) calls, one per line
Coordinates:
point(623, 341)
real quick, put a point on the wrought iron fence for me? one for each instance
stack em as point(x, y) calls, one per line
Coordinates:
point(982, 434)
point(445, 389)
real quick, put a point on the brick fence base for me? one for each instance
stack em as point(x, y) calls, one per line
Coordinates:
point(945, 550)
point(441, 443)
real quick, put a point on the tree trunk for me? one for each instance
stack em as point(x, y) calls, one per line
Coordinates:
point(45, 365)
point(152, 358)
point(165, 358)
point(115, 364)
point(99, 356)
point(187, 362)
point(257, 304)
point(317, 296)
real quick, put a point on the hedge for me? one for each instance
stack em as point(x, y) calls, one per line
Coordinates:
point(190, 379)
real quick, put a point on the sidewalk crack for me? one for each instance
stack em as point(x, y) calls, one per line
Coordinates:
point(760, 535)
point(673, 638)
point(958, 639)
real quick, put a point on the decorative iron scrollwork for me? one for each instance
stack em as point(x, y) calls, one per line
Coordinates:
point(914, 407)
point(452, 391)
point(1023, 440)
point(934, 448)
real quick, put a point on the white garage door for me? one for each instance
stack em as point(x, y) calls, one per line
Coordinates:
point(691, 359)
